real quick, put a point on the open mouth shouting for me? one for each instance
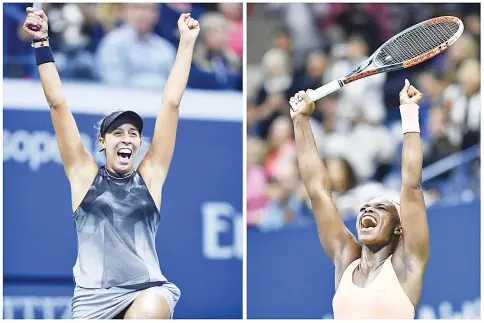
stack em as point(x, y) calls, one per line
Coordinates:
point(124, 155)
point(368, 222)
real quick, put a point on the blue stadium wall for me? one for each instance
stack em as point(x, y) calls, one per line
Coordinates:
point(199, 242)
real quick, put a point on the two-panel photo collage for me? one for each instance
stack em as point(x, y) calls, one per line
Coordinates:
point(241, 161)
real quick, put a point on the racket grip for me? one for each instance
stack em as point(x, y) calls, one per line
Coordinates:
point(324, 90)
point(37, 7)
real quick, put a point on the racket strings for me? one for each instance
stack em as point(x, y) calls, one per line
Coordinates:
point(416, 42)
point(419, 41)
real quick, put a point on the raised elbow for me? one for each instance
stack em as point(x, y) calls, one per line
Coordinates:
point(57, 104)
point(317, 188)
point(172, 103)
point(410, 180)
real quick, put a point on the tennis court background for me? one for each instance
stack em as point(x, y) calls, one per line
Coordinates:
point(200, 235)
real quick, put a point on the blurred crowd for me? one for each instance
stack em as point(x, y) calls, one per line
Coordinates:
point(357, 129)
point(130, 44)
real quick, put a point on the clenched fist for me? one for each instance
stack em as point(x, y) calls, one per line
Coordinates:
point(38, 18)
point(301, 105)
point(188, 27)
point(409, 94)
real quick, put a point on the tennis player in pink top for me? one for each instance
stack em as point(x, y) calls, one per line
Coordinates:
point(380, 278)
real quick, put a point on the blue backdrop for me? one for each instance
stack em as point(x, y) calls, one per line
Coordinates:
point(290, 276)
point(199, 240)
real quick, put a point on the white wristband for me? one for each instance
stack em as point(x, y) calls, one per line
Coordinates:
point(409, 114)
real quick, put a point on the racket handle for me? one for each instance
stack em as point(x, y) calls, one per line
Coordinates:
point(37, 7)
point(324, 90)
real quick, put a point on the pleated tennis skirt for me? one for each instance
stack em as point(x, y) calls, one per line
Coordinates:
point(106, 303)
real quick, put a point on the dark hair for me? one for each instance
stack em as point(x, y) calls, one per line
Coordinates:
point(98, 128)
point(350, 172)
point(352, 180)
point(284, 30)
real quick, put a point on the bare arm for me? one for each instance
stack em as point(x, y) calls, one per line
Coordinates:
point(337, 241)
point(74, 156)
point(154, 167)
point(413, 212)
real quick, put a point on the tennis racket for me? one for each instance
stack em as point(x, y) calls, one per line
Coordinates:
point(34, 27)
point(410, 47)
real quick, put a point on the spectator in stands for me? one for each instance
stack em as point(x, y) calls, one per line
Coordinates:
point(276, 90)
point(312, 77)
point(169, 13)
point(439, 145)
point(256, 181)
point(287, 197)
point(433, 87)
point(110, 15)
point(281, 147)
point(358, 19)
point(16, 43)
point(352, 109)
point(342, 175)
point(282, 39)
point(215, 65)
point(133, 55)
point(465, 106)
point(299, 27)
point(431, 82)
point(473, 26)
point(348, 192)
point(465, 47)
point(232, 12)
point(76, 32)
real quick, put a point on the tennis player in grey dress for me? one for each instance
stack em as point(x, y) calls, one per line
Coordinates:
point(116, 207)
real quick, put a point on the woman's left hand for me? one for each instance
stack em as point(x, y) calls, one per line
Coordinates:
point(188, 27)
point(409, 94)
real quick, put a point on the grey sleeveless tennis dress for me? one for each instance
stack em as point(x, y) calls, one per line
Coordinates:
point(116, 227)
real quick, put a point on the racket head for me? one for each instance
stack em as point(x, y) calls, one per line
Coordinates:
point(419, 42)
point(363, 66)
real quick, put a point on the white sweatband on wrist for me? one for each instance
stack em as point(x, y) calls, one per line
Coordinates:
point(409, 114)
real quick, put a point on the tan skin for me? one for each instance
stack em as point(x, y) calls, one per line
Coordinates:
point(79, 165)
point(411, 253)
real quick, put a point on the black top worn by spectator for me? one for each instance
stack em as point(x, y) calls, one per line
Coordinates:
point(261, 97)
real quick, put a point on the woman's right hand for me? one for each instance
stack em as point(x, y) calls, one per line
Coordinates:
point(36, 18)
point(302, 104)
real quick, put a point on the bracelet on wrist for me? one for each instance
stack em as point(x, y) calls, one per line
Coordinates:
point(42, 41)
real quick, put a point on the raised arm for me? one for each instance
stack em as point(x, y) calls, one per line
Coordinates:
point(412, 204)
point(75, 157)
point(337, 241)
point(156, 163)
